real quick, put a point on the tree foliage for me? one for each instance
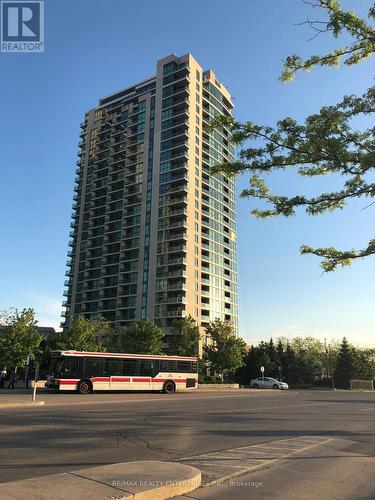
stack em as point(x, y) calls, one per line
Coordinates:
point(226, 350)
point(361, 47)
point(143, 338)
point(306, 361)
point(326, 143)
point(364, 364)
point(345, 368)
point(83, 335)
point(184, 337)
point(298, 361)
point(19, 338)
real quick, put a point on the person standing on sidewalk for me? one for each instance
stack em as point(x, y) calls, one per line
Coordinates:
point(3, 374)
point(11, 380)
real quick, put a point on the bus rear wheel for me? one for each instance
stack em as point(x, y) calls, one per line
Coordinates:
point(84, 387)
point(169, 387)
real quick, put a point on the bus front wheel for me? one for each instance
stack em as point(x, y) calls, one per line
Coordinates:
point(84, 387)
point(169, 387)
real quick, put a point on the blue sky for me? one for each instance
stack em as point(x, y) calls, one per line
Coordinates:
point(94, 48)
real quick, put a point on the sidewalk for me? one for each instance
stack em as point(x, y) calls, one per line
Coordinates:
point(144, 480)
point(19, 385)
point(17, 404)
point(20, 397)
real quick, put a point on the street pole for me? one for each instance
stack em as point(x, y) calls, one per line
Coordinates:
point(327, 360)
point(35, 381)
point(332, 376)
point(27, 370)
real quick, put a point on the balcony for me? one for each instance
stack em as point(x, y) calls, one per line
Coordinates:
point(177, 211)
point(179, 104)
point(180, 176)
point(178, 119)
point(180, 75)
point(177, 312)
point(180, 273)
point(170, 224)
point(174, 132)
point(181, 261)
point(173, 200)
point(175, 69)
point(175, 89)
point(174, 234)
point(176, 286)
point(171, 299)
point(173, 144)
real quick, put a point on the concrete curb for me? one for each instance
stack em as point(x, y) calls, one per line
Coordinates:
point(217, 387)
point(145, 480)
point(17, 405)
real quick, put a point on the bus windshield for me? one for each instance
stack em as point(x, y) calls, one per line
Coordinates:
point(56, 367)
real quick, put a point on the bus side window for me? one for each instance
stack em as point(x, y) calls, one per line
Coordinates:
point(164, 367)
point(172, 366)
point(184, 366)
point(129, 367)
point(112, 367)
point(147, 367)
point(94, 367)
point(70, 368)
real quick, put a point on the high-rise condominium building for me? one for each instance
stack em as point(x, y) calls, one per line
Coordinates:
point(153, 230)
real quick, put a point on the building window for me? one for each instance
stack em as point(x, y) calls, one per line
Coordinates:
point(169, 68)
point(98, 115)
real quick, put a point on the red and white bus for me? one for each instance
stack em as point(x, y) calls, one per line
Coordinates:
point(86, 372)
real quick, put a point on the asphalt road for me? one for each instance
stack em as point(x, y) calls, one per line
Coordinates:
point(74, 431)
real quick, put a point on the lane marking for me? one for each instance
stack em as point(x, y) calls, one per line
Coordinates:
point(202, 461)
point(124, 401)
point(114, 401)
point(174, 400)
point(219, 465)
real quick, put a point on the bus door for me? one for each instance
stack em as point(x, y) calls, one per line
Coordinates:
point(112, 370)
point(95, 371)
point(147, 369)
point(121, 379)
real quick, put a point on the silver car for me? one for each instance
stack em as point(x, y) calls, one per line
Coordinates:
point(268, 383)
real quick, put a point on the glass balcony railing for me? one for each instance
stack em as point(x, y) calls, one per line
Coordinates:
point(178, 311)
point(180, 273)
